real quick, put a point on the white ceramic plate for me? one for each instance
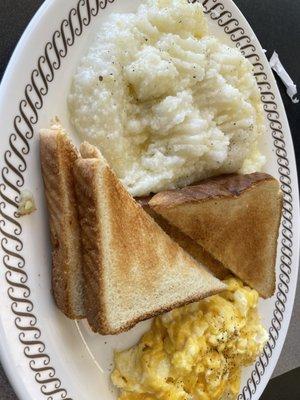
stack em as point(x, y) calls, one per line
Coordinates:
point(47, 356)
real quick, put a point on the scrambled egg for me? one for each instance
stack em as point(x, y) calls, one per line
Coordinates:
point(194, 352)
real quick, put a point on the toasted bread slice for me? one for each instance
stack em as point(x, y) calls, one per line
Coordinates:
point(132, 269)
point(184, 241)
point(235, 218)
point(57, 158)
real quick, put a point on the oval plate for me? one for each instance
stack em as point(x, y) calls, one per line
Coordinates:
point(47, 356)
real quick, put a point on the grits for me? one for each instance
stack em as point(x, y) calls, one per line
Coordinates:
point(165, 101)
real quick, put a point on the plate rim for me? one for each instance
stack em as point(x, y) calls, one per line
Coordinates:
point(223, 17)
point(19, 386)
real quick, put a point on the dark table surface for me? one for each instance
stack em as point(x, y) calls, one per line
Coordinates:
point(277, 25)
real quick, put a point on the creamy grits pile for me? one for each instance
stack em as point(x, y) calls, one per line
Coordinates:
point(165, 101)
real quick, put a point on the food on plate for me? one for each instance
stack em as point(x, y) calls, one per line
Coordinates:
point(57, 159)
point(165, 101)
point(26, 204)
point(162, 104)
point(235, 218)
point(188, 244)
point(87, 150)
point(194, 352)
point(132, 269)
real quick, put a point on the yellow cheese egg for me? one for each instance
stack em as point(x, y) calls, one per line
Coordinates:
point(194, 352)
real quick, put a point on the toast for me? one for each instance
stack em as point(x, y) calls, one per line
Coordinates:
point(189, 245)
point(133, 270)
point(184, 241)
point(87, 150)
point(235, 218)
point(58, 156)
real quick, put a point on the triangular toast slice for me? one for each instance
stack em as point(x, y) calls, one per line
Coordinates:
point(57, 159)
point(235, 218)
point(132, 269)
point(189, 245)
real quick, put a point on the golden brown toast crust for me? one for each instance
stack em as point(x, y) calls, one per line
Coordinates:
point(211, 188)
point(128, 250)
point(87, 150)
point(85, 172)
point(57, 157)
point(235, 218)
